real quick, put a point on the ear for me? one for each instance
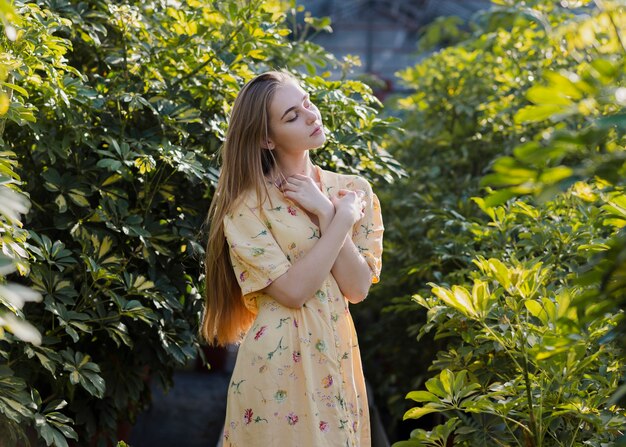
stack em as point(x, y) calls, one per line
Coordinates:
point(268, 144)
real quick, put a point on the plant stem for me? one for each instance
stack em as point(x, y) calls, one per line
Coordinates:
point(536, 441)
point(513, 421)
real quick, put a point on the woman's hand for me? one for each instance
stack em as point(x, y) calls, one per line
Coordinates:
point(303, 190)
point(349, 204)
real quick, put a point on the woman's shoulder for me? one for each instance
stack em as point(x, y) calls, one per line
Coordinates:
point(249, 201)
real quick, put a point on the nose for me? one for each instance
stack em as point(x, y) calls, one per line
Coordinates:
point(311, 116)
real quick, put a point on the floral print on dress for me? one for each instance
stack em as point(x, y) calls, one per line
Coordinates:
point(247, 416)
point(327, 381)
point(260, 332)
point(296, 356)
point(292, 418)
point(293, 357)
point(320, 345)
point(280, 396)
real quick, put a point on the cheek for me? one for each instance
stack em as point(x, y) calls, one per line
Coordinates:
point(284, 135)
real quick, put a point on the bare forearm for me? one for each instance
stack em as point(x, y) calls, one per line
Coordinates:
point(352, 273)
point(350, 269)
point(308, 273)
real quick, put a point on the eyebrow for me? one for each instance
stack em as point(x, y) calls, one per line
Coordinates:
point(293, 107)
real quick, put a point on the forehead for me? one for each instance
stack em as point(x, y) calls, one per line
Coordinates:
point(288, 94)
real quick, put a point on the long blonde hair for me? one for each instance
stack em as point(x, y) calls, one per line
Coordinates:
point(244, 165)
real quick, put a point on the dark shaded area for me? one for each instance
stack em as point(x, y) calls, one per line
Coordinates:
point(190, 414)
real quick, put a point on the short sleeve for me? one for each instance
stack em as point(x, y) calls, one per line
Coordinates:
point(368, 232)
point(256, 257)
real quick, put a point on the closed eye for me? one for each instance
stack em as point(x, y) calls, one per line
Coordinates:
point(306, 103)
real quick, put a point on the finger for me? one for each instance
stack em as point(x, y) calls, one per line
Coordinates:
point(350, 197)
point(293, 181)
point(300, 177)
point(291, 195)
point(360, 193)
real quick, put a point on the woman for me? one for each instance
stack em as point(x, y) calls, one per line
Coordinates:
point(289, 246)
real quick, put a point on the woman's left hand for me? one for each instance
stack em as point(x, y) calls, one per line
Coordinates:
point(304, 191)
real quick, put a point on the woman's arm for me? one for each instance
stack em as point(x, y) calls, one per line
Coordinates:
point(350, 270)
point(307, 274)
point(352, 273)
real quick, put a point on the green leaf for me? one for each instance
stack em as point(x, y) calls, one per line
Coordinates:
point(499, 271)
point(541, 95)
point(17, 88)
point(535, 114)
point(110, 164)
point(422, 396)
point(447, 380)
point(408, 443)
point(57, 404)
point(78, 198)
point(537, 310)
point(435, 386)
point(83, 372)
point(496, 198)
point(46, 356)
point(606, 122)
point(418, 412)
point(481, 297)
point(555, 175)
point(61, 203)
point(15, 402)
point(562, 84)
point(457, 298)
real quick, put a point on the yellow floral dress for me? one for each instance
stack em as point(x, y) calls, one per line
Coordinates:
point(298, 379)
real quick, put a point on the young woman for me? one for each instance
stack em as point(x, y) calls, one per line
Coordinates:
point(290, 245)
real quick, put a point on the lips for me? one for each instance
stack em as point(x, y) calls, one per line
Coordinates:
point(317, 130)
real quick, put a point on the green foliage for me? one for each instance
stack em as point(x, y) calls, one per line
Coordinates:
point(16, 403)
point(459, 118)
point(531, 356)
point(524, 363)
point(116, 115)
point(583, 137)
point(440, 436)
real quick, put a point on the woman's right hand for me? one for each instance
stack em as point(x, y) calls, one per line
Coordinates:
point(349, 205)
point(305, 192)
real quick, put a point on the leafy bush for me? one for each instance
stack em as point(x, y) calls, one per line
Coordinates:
point(531, 357)
point(458, 119)
point(117, 113)
point(15, 401)
point(534, 368)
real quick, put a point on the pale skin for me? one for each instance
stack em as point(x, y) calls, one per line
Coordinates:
point(295, 127)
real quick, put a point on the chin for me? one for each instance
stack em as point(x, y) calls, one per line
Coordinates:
point(322, 140)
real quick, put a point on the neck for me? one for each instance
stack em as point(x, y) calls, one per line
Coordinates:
point(288, 166)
